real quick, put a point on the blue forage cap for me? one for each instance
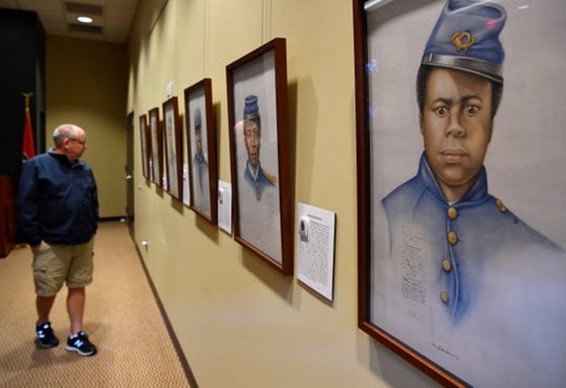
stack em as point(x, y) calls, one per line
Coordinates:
point(198, 119)
point(251, 109)
point(466, 37)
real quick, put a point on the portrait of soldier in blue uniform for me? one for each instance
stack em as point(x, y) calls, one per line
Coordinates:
point(461, 278)
point(200, 167)
point(199, 161)
point(258, 193)
point(256, 176)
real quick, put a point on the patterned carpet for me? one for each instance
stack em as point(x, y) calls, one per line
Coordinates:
point(122, 319)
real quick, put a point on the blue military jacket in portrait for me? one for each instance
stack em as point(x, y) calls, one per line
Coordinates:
point(470, 285)
point(201, 168)
point(259, 182)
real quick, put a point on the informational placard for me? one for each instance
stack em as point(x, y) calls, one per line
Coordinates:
point(186, 190)
point(315, 249)
point(225, 206)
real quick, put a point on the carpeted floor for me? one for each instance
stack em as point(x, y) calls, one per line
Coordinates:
point(122, 319)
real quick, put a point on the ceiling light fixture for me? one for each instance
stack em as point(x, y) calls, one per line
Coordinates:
point(84, 19)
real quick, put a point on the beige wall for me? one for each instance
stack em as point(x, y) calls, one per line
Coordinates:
point(239, 322)
point(86, 84)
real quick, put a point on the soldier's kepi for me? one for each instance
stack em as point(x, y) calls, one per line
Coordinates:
point(466, 37)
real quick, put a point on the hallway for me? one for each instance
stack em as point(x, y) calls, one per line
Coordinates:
point(122, 319)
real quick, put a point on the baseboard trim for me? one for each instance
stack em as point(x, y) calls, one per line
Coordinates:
point(184, 362)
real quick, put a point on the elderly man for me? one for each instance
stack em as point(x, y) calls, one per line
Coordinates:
point(58, 213)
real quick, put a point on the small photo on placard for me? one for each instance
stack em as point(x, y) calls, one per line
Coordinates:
point(304, 229)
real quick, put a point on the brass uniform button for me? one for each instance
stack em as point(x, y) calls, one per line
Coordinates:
point(452, 213)
point(501, 205)
point(444, 297)
point(446, 265)
point(452, 238)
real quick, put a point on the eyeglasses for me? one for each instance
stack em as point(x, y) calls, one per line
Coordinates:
point(81, 142)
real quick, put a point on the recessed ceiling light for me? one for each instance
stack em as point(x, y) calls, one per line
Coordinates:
point(84, 19)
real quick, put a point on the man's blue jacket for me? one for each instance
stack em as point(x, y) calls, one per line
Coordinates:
point(57, 201)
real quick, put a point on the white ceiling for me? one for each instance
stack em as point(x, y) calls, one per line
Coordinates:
point(111, 18)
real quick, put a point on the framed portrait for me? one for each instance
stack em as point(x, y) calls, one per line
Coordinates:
point(173, 138)
point(145, 141)
point(201, 146)
point(156, 160)
point(459, 146)
point(260, 149)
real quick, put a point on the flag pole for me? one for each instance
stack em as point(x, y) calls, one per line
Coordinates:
point(28, 146)
point(27, 96)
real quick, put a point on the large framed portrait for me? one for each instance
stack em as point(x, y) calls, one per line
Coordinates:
point(260, 149)
point(460, 155)
point(156, 160)
point(173, 137)
point(201, 146)
point(145, 142)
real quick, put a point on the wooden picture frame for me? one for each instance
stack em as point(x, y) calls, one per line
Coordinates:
point(145, 143)
point(262, 199)
point(173, 140)
point(447, 288)
point(156, 160)
point(363, 66)
point(200, 129)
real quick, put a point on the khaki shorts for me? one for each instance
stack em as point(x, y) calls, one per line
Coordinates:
point(54, 264)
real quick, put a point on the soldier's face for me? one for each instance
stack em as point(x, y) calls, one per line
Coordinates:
point(198, 141)
point(252, 135)
point(456, 124)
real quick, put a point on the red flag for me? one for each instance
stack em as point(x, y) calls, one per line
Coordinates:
point(28, 147)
